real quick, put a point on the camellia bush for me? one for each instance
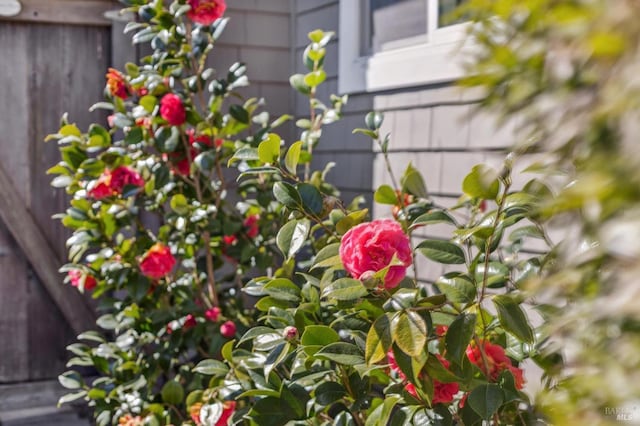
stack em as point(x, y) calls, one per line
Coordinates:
point(234, 285)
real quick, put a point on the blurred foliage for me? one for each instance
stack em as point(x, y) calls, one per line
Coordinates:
point(568, 71)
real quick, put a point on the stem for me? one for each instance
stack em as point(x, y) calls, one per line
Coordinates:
point(487, 250)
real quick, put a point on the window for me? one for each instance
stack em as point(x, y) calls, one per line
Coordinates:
point(386, 44)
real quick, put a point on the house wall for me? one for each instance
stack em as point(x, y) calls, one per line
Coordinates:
point(433, 127)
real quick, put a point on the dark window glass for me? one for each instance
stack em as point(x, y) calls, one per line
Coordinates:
point(396, 19)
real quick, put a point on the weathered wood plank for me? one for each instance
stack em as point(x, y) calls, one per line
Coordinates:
point(13, 267)
point(69, 12)
point(56, 45)
point(43, 260)
point(14, 347)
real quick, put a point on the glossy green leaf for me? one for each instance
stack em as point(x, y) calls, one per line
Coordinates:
point(311, 198)
point(512, 318)
point(379, 339)
point(287, 194)
point(344, 289)
point(442, 252)
point(410, 333)
point(211, 367)
point(269, 149)
point(413, 183)
point(329, 392)
point(431, 218)
point(385, 195)
point(458, 287)
point(293, 157)
point(283, 289)
point(172, 393)
point(485, 400)
point(342, 353)
point(482, 182)
point(458, 337)
point(292, 236)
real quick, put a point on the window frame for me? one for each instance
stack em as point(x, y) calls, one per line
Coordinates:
point(437, 57)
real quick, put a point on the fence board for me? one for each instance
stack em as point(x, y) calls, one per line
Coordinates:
point(68, 12)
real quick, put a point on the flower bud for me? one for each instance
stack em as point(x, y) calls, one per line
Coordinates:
point(290, 333)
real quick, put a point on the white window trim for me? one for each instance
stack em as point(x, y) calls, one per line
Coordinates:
point(436, 60)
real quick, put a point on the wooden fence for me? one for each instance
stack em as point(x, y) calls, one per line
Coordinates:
point(53, 58)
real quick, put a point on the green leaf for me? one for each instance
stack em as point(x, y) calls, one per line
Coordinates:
point(311, 198)
point(70, 130)
point(283, 289)
point(297, 82)
point(512, 318)
point(71, 397)
point(316, 35)
point(244, 154)
point(385, 195)
point(179, 204)
point(379, 339)
point(99, 137)
point(351, 220)
point(292, 236)
point(344, 289)
point(287, 194)
point(315, 337)
point(239, 113)
point(485, 400)
point(211, 367)
point(315, 78)
point(410, 333)
point(431, 218)
point(327, 256)
point(381, 414)
point(342, 353)
point(172, 392)
point(458, 337)
point(275, 357)
point(269, 149)
point(482, 182)
point(148, 102)
point(293, 156)
point(329, 392)
point(413, 183)
point(71, 380)
point(458, 287)
point(442, 252)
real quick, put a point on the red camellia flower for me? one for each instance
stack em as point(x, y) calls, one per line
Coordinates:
point(189, 322)
point(172, 109)
point(216, 414)
point(370, 247)
point(443, 393)
point(157, 262)
point(117, 84)
point(206, 12)
point(76, 276)
point(495, 361)
point(112, 182)
point(229, 240)
point(213, 314)
point(251, 225)
point(180, 160)
point(228, 329)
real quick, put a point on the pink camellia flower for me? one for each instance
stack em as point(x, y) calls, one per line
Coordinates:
point(251, 225)
point(370, 247)
point(228, 329)
point(206, 12)
point(213, 314)
point(494, 362)
point(117, 84)
point(157, 262)
point(172, 109)
point(76, 276)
